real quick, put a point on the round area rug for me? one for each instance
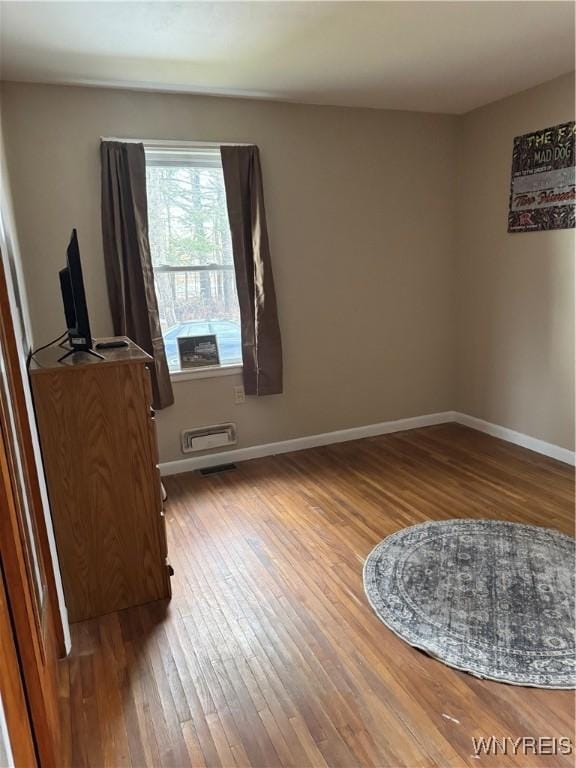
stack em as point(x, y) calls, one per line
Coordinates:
point(491, 598)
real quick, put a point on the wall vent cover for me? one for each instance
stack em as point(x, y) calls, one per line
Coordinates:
point(204, 438)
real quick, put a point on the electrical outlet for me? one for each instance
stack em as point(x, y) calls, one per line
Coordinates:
point(239, 396)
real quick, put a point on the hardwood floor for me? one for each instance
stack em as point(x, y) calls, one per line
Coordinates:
point(269, 654)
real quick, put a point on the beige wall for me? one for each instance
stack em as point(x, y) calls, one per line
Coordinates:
point(360, 210)
point(515, 307)
point(10, 257)
point(400, 292)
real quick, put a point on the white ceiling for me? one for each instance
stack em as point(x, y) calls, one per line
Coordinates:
point(431, 56)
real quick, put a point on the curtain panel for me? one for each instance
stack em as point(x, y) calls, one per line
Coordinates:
point(129, 274)
point(261, 342)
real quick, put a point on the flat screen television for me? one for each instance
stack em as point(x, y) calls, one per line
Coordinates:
point(74, 299)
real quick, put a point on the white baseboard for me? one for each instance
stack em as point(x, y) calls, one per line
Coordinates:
point(192, 463)
point(300, 443)
point(518, 438)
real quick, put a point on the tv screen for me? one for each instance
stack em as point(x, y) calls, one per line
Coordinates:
point(74, 298)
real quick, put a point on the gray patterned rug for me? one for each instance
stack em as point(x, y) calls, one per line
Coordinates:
point(492, 598)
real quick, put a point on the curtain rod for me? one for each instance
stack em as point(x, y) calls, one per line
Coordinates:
point(176, 143)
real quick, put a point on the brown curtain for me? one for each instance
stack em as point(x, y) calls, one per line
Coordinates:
point(261, 343)
point(127, 257)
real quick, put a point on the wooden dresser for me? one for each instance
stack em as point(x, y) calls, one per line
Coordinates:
point(98, 440)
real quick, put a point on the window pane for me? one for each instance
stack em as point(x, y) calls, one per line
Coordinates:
point(198, 303)
point(188, 224)
point(187, 216)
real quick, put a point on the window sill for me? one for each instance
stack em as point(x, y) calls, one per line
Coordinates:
point(210, 372)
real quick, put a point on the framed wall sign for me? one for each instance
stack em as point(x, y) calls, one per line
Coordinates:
point(542, 184)
point(198, 351)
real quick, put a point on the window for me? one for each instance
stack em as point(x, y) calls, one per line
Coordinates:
point(192, 250)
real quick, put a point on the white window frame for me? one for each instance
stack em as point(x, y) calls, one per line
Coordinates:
point(201, 154)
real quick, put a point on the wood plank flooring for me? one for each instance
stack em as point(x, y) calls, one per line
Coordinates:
point(269, 655)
